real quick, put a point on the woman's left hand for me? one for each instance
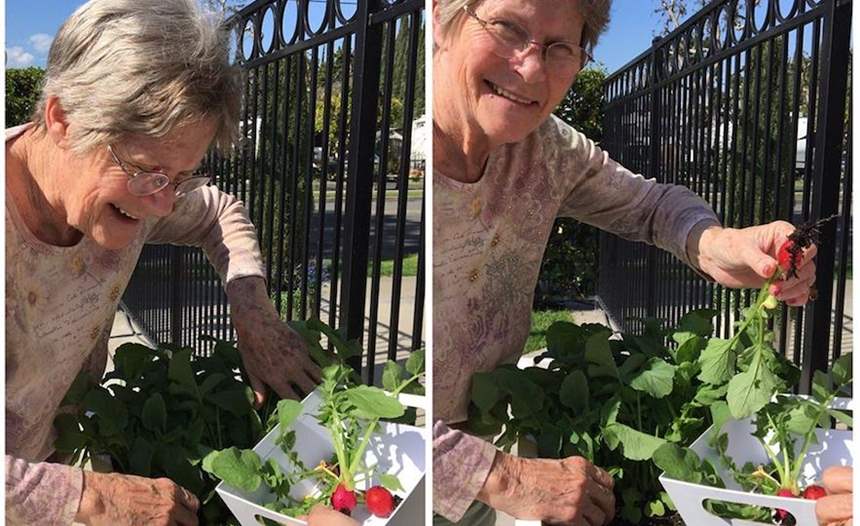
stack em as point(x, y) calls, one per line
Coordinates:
point(323, 516)
point(273, 354)
point(746, 257)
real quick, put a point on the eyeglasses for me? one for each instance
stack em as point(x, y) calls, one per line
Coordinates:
point(147, 182)
point(565, 58)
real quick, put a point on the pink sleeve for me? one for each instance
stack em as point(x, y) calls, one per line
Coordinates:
point(609, 196)
point(461, 463)
point(43, 494)
point(218, 223)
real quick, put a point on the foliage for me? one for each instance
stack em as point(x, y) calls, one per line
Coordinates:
point(160, 413)
point(786, 428)
point(616, 401)
point(570, 262)
point(348, 410)
point(23, 87)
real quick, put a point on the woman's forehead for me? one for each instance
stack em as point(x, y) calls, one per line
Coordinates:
point(560, 18)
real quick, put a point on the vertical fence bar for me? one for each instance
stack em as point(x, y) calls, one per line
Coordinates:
point(359, 182)
point(825, 198)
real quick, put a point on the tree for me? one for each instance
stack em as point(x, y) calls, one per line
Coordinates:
point(570, 262)
point(672, 14)
point(23, 87)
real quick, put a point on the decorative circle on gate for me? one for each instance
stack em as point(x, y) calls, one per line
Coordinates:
point(267, 30)
point(290, 27)
point(740, 19)
point(761, 12)
point(249, 43)
point(722, 38)
point(316, 17)
point(786, 9)
point(345, 11)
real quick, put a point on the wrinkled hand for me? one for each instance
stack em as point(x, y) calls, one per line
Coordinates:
point(835, 509)
point(568, 491)
point(273, 354)
point(323, 516)
point(110, 499)
point(746, 257)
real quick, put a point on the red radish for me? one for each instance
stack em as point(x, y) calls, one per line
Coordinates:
point(781, 515)
point(379, 501)
point(790, 253)
point(814, 492)
point(343, 500)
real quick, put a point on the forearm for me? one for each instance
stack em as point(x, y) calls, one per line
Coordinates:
point(41, 493)
point(461, 464)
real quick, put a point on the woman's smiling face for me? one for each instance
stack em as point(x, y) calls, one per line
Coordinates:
point(503, 98)
point(97, 201)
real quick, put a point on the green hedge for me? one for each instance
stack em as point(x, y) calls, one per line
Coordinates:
point(23, 86)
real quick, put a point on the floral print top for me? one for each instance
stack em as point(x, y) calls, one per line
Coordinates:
point(488, 242)
point(60, 306)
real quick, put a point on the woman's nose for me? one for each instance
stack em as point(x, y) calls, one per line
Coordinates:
point(163, 201)
point(530, 64)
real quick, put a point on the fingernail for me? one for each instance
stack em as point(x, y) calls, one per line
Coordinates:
point(774, 290)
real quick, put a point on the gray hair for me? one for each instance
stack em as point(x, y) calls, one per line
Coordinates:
point(594, 12)
point(141, 67)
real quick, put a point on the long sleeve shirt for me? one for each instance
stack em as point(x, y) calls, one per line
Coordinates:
point(60, 306)
point(488, 242)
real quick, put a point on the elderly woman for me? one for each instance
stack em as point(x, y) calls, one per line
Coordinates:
point(504, 169)
point(135, 93)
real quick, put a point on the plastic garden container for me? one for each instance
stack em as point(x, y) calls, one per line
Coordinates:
point(397, 448)
point(834, 448)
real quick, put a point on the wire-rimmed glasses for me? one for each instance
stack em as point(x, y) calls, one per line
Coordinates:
point(563, 57)
point(148, 182)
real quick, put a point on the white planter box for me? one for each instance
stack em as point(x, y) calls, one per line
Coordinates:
point(398, 449)
point(834, 448)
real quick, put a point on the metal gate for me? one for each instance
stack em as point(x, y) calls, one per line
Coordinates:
point(747, 103)
point(325, 168)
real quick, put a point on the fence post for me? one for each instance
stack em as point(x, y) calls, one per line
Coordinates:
point(825, 197)
point(654, 167)
point(177, 271)
point(359, 184)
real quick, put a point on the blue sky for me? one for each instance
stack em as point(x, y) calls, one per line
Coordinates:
point(29, 30)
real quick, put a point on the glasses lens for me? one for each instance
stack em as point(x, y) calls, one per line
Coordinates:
point(147, 183)
point(191, 184)
point(565, 58)
point(512, 37)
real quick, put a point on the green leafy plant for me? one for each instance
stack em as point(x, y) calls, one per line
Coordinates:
point(617, 399)
point(786, 428)
point(351, 413)
point(160, 412)
point(166, 413)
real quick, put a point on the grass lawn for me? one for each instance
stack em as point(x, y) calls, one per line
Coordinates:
point(410, 266)
point(541, 320)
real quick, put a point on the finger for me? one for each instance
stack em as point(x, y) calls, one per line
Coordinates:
point(601, 496)
point(837, 479)
point(285, 390)
point(314, 372)
point(753, 257)
point(796, 287)
point(259, 389)
point(305, 382)
point(183, 513)
point(593, 514)
point(833, 508)
point(601, 477)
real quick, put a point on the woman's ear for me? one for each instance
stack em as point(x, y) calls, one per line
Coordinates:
point(437, 26)
point(55, 122)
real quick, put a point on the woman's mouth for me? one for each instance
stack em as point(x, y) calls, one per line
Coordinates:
point(125, 215)
point(513, 97)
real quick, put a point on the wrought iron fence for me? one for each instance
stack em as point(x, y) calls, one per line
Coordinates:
point(323, 166)
point(747, 103)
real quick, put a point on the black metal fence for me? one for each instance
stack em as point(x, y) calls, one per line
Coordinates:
point(324, 168)
point(747, 103)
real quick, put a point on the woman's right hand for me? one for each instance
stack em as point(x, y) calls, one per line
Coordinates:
point(566, 491)
point(113, 499)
